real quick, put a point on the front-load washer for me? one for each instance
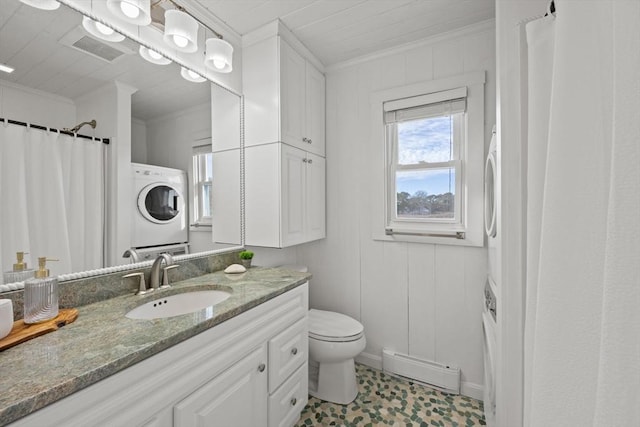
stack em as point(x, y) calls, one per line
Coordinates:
point(490, 352)
point(160, 198)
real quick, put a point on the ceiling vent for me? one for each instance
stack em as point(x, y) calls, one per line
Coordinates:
point(78, 39)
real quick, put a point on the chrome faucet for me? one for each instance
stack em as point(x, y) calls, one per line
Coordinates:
point(154, 281)
point(135, 256)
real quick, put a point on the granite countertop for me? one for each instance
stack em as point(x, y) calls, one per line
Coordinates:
point(102, 341)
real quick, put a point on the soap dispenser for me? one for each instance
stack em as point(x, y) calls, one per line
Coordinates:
point(41, 295)
point(20, 272)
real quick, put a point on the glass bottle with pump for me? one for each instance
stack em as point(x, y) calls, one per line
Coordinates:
point(20, 272)
point(41, 295)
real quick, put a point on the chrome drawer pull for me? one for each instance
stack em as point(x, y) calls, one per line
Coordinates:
point(294, 351)
point(261, 367)
point(293, 401)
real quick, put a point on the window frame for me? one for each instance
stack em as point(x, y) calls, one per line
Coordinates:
point(393, 167)
point(200, 222)
point(467, 229)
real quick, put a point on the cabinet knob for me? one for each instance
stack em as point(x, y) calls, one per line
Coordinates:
point(294, 351)
point(261, 367)
point(310, 161)
point(309, 141)
point(305, 139)
point(304, 160)
point(294, 401)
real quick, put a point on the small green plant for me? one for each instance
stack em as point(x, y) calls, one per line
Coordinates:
point(246, 255)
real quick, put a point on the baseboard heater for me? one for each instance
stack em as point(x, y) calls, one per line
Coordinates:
point(443, 377)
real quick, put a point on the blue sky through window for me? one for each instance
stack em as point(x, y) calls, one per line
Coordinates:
point(425, 140)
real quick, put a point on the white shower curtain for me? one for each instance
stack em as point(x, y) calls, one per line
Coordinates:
point(582, 324)
point(52, 193)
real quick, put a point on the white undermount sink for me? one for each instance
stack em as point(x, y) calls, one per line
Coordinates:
point(178, 304)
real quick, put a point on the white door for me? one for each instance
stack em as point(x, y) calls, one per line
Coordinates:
point(315, 197)
point(236, 397)
point(294, 165)
point(292, 96)
point(315, 116)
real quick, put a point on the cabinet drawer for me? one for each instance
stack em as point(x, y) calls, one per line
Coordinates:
point(287, 351)
point(290, 399)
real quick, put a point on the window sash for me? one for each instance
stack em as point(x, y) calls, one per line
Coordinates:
point(393, 220)
point(392, 214)
point(200, 182)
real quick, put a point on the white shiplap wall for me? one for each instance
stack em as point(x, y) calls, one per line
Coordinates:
point(420, 299)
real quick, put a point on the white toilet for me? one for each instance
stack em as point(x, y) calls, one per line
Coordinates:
point(334, 341)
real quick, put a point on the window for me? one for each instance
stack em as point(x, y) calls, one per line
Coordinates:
point(424, 160)
point(433, 146)
point(202, 185)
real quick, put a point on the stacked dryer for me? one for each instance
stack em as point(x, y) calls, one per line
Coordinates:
point(490, 302)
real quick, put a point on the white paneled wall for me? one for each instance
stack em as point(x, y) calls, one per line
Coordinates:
point(421, 299)
point(24, 104)
point(138, 141)
point(170, 138)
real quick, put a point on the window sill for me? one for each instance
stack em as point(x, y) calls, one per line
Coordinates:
point(200, 227)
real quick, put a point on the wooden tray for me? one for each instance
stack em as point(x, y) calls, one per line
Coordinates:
point(22, 332)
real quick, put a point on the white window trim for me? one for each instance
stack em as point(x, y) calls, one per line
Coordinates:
point(472, 172)
point(435, 225)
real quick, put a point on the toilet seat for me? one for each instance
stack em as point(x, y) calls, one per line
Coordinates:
point(333, 327)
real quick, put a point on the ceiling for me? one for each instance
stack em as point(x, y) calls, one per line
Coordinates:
point(334, 30)
point(339, 30)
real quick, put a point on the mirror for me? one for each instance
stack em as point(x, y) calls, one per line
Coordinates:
point(148, 112)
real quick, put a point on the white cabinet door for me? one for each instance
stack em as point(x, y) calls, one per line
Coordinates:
point(284, 196)
point(294, 165)
point(315, 114)
point(292, 96)
point(315, 197)
point(236, 397)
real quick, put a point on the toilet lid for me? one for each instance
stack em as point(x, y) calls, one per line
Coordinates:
point(331, 326)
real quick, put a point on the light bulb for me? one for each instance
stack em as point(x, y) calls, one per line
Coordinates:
point(129, 10)
point(154, 54)
point(193, 75)
point(219, 63)
point(104, 29)
point(180, 41)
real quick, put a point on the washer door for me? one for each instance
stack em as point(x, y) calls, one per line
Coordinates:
point(160, 203)
point(488, 326)
point(490, 202)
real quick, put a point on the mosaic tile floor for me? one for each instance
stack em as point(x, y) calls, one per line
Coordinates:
point(387, 400)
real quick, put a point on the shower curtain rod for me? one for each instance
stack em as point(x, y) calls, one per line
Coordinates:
point(15, 122)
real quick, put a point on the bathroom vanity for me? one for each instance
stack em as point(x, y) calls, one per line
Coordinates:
point(243, 362)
